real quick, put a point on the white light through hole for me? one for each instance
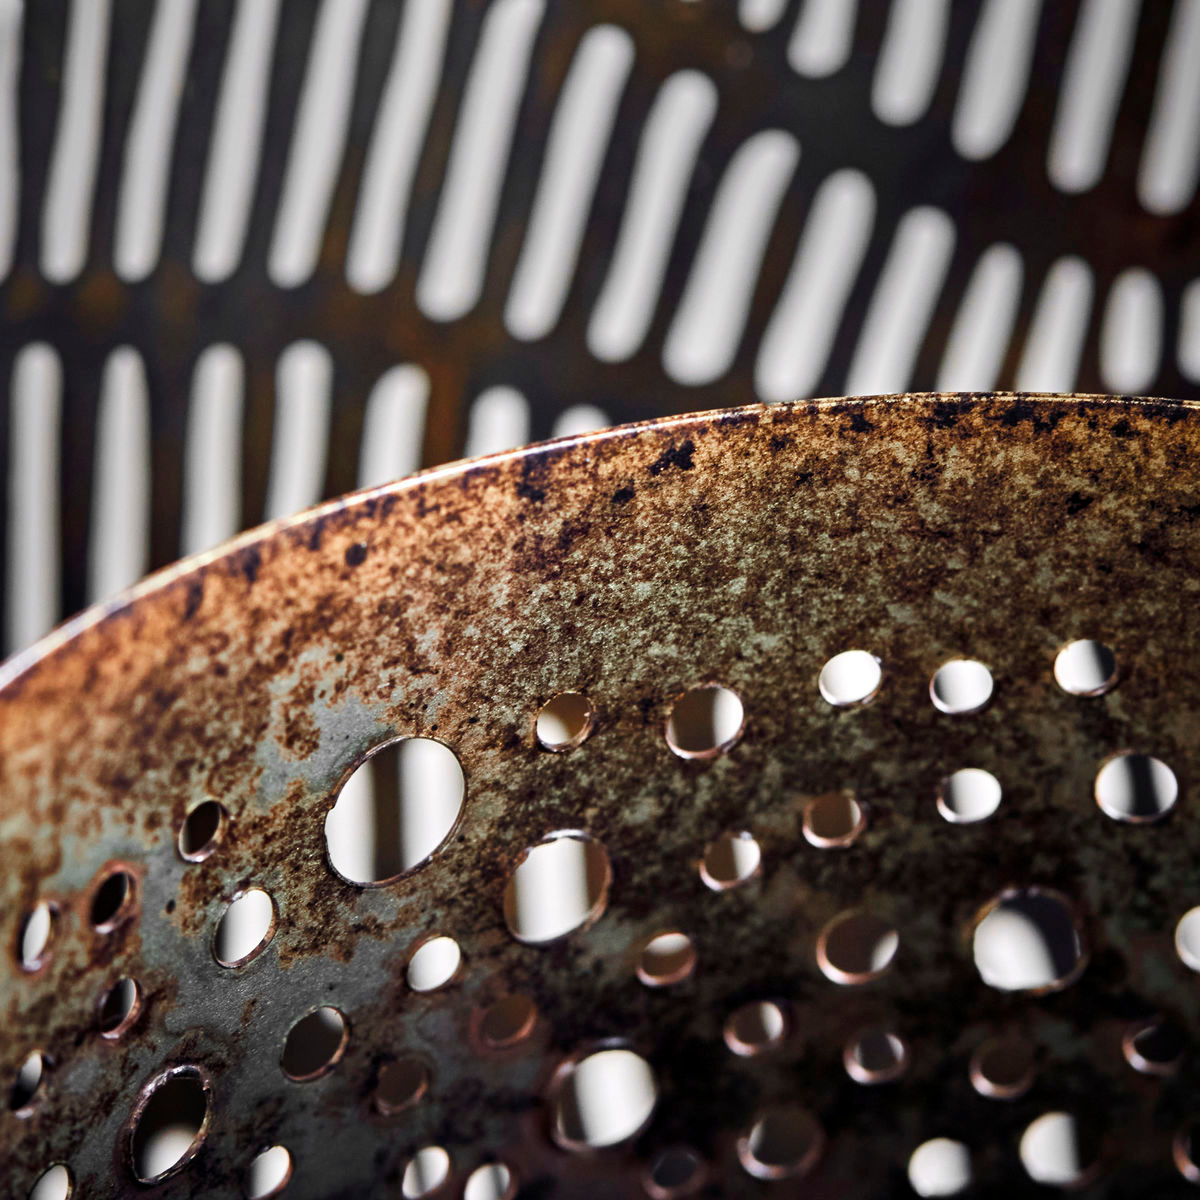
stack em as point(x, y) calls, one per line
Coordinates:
point(1131, 332)
point(1027, 941)
point(427, 1170)
point(979, 337)
point(604, 1099)
point(35, 935)
point(909, 62)
point(269, 1173)
point(1050, 1150)
point(822, 37)
point(1187, 939)
point(212, 470)
point(560, 885)
point(1085, 668)
point(245, 928)
point(53, 1184)
point(434, 964)
point(940, 1167)
point(492, 1181)
point(969, 795)
point(852, 677)
point(961, 686)
point(303, 380)
point(11, 13)
point(1171, 152)
point(1136, 788)
point(393, 426)
point(498, 421)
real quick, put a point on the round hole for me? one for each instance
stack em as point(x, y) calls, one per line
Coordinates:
point(960, 686)
point(314, 1044)
point(705, 721)
point(169, 1124)
point(1028, 941)
point(246, 927)
point(757, 1027)
point(560, 886)
point(852, 677)
point(24, 1090)
point(1085, 668)
point(119, 1008)
point(940, 1167)
point(603, 1099)
point(1154, 1047)
point(875, 1056)
point(508, 1021)
point(665, 959)
point(434, 964)
point(1136, 788)
point(201, 830)
point(402, 1083)
point(564, 721)
point(969, 795)
point(733, 859)
point(33, 943)
point(783, 1143)
point(269, 1173)
point(1003, 1068)
point(1186, 1151)
point(1187, 939)
point(112, 901)
point(1052, 1151)
point(426, 1171)
point(394, 811)
point(833, 820)
point(492, 1181)
point(53, 1184)
point(675, 1172)
point(856, 947)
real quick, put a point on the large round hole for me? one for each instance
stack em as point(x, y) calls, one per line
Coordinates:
point(270, 1172)
point(1003, 1068)
point(969, 795)
point(492, 1181)
point(705, 721)
point(434, 964)
point(314, 1044)
point(856, 947)
point(1028, 940)
point(33, 943)
point(201, 830)
point(55, 1183)
point(1136, 788)
point(402, 1083)
point(112, 901)
point(564, 721)
point(246, 927)
point(603, 1099)
point(833, 820)
point(1186, 1151)
point(960, 686)
point(1187, 939)
point(119, 1008)
point(426, 1171)
point(169, 1125)
point(1053, 1152)
point(559, 886)
point(1154, 1047)
point(852, 677)
point(734, 858)
point(1085, 668)
point(396, 809)
point(675, 1172)
point(757, 1027)
point(783, 1143)
point(665, 959)
point(940, 1167)
point(507, 1022)
point(875, 1056)
point(24, 1090)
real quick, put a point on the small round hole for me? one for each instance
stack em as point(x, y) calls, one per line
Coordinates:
point(940, 1167)
point(733, 859)
point(33, 944)
point(314, 1044)
point(705, 721)
point(852, 677)
point(783, 1143)
point(1187, 939)
point(833, 820)
point(675, 1172)
point(112, 901)
point(560, 885)
point(1028, 940)
point(30, 1076)
point(269, 1173)
point(1186, 1151)
point(169, 1124)
point(55, 1183)
point(507, 1022)
point(757, 1027)
point(665, 959)
point(426, 1171)
point(402, 1083)
point(434, 964)
point(1154, 1047)
point(1053, 1153)
point(492, 1181)
point(969, 795)
point(875, 1056)
point(960, 686)
point(201, 830)
point(856, 947)
point(1003, 1068)
point(246, 927)
point(603, 1099)
point(565, 721)
point(1085, 668)
point(119, 1008)
point(1136, 788)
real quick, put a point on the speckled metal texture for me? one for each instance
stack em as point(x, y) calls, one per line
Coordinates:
point(743, 547)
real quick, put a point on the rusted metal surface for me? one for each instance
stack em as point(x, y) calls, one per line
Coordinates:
point(742, 547)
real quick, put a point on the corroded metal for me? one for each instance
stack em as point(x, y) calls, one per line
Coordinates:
point(743, 547)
